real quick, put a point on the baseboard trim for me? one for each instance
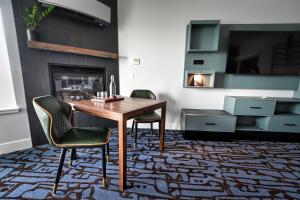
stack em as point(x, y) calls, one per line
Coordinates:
point(17, 145)
point(9, 110)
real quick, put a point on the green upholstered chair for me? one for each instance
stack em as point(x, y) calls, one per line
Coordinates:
point(150, 117)
point(55, 116)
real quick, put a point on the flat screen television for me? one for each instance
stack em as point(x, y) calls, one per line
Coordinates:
point(264, 53)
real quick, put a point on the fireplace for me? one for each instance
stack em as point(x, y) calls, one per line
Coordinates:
point(76, 82)
point(69, 82)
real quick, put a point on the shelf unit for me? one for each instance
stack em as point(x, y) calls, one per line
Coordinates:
point(248, 123)
point(297, 92)
point(193, 120)
point(215, 58)
point(199, 79)
point(203, 36)
point(248, 128)
point(287, 107)
point(268, 114)
point(248, 114)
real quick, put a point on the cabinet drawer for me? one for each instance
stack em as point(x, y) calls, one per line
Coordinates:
point(284, 124)
point(253, 107)
point(208, 123)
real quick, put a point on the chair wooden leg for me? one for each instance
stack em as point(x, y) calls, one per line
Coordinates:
point(60, 166)
point(107, 154)
point(132, 127)
point(135, 136)
point(151, 128)
point(159, 127)
point(104, 167)
point(73, 156)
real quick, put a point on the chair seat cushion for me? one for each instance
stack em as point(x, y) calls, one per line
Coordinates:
point(147, 117)
point(85, 137)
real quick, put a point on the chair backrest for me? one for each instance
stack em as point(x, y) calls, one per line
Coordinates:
point(145, 94)
point(55, 117)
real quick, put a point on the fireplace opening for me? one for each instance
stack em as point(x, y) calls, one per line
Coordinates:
point(71, 83)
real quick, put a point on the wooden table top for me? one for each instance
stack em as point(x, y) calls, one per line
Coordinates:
point(128, 108)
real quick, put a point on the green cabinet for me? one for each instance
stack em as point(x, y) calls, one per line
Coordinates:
point(259, 114)
point(272, 114)
point(251, 123)
point(284, 124)
point(249, 106)
point(207, 120)
point(297, 92)
point(203, 35)
point(287, 106)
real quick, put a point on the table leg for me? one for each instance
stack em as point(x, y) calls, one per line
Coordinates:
point(73, 151)
point(122, 128)
point(162, 127)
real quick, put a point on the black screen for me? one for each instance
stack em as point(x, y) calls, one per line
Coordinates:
point(264, 53)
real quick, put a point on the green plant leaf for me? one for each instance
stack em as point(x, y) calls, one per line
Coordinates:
point(46, 12)
point(33, 16)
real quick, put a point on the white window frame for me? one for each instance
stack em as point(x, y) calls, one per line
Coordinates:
point(7, 91)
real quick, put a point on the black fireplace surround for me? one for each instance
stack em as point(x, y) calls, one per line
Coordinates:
point(72, 83)
point(61, 29)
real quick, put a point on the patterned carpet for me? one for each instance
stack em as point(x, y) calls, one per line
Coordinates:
point(186, 170)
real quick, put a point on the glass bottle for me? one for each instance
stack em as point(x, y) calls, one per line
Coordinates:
point(112, 87)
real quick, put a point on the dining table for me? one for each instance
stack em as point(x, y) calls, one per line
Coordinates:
point(121, 111)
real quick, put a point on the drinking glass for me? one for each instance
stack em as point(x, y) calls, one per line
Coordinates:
point(103, 94)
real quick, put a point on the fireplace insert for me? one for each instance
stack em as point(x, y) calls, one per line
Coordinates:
point(69, 82)
point(76, 83)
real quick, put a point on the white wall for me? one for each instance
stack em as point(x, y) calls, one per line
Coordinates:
point(8, 100)
point(154, 30)
point(14, 127)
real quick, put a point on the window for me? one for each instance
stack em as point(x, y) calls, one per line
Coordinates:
point(7, 94)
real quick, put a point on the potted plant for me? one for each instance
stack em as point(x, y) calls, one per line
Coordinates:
point(32, 17)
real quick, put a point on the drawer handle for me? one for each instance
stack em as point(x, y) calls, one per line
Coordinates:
point(256, 107)
point(290, 124)
point(210, 124)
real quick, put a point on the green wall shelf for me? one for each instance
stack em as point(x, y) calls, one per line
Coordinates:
point(248, 123)
point(199, 79)
point(203, 35)
point(206, 50)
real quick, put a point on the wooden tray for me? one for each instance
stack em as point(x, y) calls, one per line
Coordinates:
point(108, 99)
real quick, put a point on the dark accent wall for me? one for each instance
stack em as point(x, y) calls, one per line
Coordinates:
point(60, 28)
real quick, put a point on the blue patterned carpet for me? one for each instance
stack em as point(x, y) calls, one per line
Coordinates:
point(186, 170)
